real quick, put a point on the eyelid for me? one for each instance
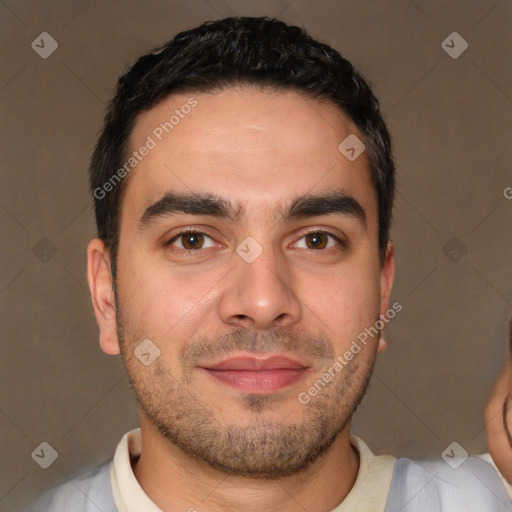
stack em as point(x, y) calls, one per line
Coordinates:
point(337, 237)
point(184, 231)
point(199, 230)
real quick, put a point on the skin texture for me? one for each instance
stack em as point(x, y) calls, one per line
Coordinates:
point(206, 444)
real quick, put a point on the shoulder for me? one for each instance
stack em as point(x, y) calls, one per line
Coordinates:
point(90, 491)
point(433, 485)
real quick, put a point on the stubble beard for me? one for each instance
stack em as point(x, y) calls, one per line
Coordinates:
point(254, 447)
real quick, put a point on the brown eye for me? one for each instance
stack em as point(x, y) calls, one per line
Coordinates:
point(191, 240)
point(318, 240)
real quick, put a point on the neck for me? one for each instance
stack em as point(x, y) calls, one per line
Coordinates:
point(175, 481)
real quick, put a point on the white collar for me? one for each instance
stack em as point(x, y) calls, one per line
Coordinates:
point(369, 493)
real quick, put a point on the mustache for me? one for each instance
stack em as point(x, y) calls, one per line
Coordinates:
point(273, 340)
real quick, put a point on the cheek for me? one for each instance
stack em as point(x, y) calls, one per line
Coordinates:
point(162, 302)
point(346, 302)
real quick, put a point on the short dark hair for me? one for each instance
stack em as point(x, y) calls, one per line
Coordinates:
point(235, 51)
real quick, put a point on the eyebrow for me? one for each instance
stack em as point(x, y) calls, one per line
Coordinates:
point(338, 202)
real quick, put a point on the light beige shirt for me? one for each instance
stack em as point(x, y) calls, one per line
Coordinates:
point(369, 493)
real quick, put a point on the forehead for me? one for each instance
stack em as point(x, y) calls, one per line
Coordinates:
point(259, 147)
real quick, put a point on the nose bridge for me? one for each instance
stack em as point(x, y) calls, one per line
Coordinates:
point(260, 293)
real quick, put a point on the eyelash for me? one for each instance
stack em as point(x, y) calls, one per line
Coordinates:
point(341, 242)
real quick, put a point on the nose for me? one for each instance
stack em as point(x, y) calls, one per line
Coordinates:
point(260, 295)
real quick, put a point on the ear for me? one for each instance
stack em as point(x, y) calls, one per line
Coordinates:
point(387, 278)
point(100, 282)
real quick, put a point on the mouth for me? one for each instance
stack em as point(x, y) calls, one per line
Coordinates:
point(255, 375)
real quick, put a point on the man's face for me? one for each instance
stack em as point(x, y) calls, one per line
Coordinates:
point(304, 284)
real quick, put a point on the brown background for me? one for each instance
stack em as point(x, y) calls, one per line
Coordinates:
point(450, 122)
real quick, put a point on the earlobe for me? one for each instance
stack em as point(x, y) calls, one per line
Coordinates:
point(382, 345)
point(100, 282)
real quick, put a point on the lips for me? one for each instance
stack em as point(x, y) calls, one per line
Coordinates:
point(256, 375)
point(253, 363)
